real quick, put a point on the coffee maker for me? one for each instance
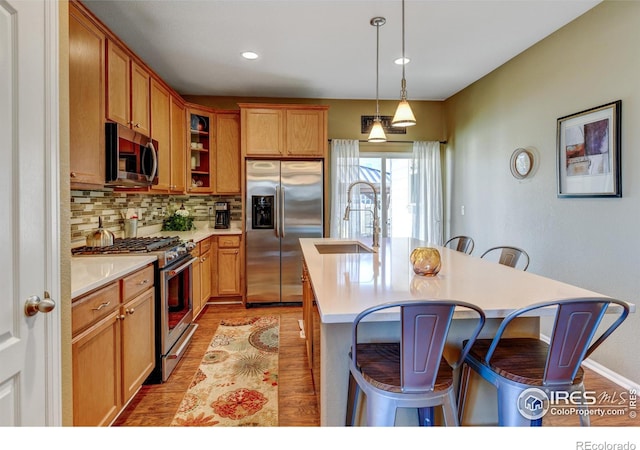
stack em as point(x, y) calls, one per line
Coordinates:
point(223, 214)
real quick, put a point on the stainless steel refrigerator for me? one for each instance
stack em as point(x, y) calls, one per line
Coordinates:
point(285, 202)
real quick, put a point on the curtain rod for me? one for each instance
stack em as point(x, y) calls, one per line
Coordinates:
point(391, 142)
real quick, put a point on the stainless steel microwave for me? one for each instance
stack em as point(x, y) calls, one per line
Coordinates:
point(131, 157)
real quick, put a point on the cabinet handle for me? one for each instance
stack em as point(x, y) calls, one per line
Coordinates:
point(104, 305)
point(73, 175)
point(130, 311)
point(203, 259)
point(143, 282)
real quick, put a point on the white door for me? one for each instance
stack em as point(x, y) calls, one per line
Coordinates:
point(29, 198)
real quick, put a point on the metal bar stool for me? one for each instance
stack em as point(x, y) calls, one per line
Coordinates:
point(411, 373)
point(462, 244)
point(526, 371)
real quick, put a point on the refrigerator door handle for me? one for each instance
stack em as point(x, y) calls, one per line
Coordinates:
point(282, 211)
point(276, 213)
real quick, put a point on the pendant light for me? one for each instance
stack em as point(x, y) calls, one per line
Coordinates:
point(377, 133)
point(404, 116)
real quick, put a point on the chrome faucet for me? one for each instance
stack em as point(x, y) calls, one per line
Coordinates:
point(376, 223)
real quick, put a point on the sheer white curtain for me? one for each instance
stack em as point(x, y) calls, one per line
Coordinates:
point(345, 169)
point(427, 192)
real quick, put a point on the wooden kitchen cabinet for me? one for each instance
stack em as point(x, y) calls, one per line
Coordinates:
point(128, 90)
point(168, 129)
point(202, 274)
point(201, 142)
point(113, 346)
point(307, 306)
point(178, 138)
point(161, 132)
point(227, 166)
point(311, 327)
point(205, 259)
point(86, 101)
point(196, 282)
point(229, 265)
point(306, 132)
point(283, 130)
point(138, 342)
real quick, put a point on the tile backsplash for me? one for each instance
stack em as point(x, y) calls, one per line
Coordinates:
point(87, 206)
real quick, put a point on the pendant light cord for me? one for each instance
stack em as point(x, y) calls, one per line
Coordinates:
point(403, 92)
point(377, 66)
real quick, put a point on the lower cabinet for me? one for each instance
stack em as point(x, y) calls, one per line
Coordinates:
point(113, 346)
point(311, 327)
point(227, 267)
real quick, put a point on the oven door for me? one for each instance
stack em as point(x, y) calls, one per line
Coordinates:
point(176, 312)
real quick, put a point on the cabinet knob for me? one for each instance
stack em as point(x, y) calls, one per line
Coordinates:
point(73, 175)
point(120, 317)
point(130, 311)
point(137, 125)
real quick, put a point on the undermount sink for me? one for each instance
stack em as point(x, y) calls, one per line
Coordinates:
point(342, 247)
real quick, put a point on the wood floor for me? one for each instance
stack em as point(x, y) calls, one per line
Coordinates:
point(155, 405)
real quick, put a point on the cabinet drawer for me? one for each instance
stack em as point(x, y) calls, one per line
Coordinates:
point(92, 307)
point(205, 245)
point(136, 283)
point(228, 241)
point(196, 250)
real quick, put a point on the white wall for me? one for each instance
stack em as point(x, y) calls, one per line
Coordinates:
point(592, 243)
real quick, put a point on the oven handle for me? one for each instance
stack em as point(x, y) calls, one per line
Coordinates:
point(175, 271)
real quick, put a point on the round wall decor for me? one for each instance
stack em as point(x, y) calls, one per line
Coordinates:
point(522, 161)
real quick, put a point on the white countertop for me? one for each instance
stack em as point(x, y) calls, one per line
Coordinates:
point(201, 232)
point(346, 284)
point(91, 272)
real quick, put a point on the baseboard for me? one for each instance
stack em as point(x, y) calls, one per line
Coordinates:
point(605, 371)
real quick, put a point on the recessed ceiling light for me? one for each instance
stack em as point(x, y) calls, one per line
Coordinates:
point(401, 61)
point(249, 55)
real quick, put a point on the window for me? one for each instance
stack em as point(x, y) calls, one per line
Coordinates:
point(394, 199)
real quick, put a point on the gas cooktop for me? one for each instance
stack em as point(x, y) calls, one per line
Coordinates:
point(168, 249)
point(130, 245)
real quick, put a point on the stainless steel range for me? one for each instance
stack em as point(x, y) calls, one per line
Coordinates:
point(174, 294)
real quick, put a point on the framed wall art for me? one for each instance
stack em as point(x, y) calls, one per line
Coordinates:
point(588, 146)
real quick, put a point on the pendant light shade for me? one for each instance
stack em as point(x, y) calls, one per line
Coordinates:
point(377, 132)
point(404, 116)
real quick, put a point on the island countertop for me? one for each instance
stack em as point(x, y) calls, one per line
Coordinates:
point(345, 284)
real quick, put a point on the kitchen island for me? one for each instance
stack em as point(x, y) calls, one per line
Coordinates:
point(344, 284)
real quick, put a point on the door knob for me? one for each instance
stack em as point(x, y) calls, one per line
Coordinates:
point(34, 305)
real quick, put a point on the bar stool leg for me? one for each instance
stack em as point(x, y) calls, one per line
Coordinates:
point(352, 400)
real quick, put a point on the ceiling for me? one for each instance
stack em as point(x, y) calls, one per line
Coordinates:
point(326, 48)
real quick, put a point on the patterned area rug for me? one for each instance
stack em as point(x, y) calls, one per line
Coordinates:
point(237, 381)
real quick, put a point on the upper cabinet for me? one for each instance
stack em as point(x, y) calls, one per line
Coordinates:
point(284, 130)
point(86, 101)
point(178, 139)
point(128, 90)
point(168, 129)
point(227, 166)
point(201, 150)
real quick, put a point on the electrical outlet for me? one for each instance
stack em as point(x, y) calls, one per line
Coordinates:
point(210, 210)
